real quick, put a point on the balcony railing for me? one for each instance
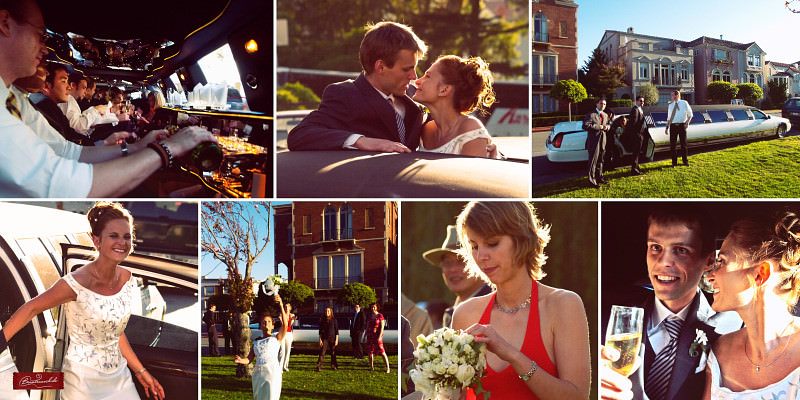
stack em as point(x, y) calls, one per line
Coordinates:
point(336, 234)
point(544, 79)
point(336, 283)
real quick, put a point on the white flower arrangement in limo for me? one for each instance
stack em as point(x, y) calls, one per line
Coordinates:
point(446, 362)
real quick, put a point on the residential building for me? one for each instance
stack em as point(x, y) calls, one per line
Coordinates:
point(664, 62)
point(723, 60)
point(785, 73)
point(326, 245)
point(214, 286)
point(554, 32)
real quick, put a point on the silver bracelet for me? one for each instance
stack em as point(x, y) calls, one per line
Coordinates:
point(533, 369)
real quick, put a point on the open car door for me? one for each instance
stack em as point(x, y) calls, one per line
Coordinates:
point(159, 328)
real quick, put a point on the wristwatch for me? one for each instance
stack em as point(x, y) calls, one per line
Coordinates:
point(533, 369)
point(124, 148)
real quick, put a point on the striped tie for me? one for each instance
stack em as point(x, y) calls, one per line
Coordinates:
point(657, 382)
point(401, 127)
point(11, 105)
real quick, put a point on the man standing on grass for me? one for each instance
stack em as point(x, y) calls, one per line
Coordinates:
point(679, 114)
point(596, 124)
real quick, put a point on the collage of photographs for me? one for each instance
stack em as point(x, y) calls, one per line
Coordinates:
point(384, 199)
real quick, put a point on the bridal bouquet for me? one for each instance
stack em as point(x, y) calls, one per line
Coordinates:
point(272, 285)
point(447, 361)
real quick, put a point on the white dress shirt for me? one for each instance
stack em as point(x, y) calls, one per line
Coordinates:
point(38, 123)
point(656, 332)
point(79, 121)
point(683, 114)
point(29, 167)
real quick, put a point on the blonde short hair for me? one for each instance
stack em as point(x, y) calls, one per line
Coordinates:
point(515, 219)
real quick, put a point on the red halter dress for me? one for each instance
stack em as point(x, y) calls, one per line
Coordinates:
point(506, 384)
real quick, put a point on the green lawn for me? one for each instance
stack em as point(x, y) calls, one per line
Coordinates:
point(353, 380)
point(762, 169)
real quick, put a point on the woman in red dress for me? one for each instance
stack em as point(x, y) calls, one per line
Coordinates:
point(375, 337)
point(537, 335)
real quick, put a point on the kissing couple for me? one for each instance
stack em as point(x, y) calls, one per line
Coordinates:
point(374, 113)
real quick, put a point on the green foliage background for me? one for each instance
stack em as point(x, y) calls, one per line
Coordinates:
point(721, 92)
point(296, 293)
point(750, 93)
point(356, 293)
point(322, 39)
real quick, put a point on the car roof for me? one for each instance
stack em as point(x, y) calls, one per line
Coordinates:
point(363, 174)
point(695, 107)
point(17, 221)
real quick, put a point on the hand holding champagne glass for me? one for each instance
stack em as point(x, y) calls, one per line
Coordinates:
point(624, 334)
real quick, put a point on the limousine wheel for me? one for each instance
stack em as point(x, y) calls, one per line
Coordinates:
point(781, 131)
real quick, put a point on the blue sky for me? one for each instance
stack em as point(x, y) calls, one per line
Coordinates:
point(767, 22)
point(263, 267)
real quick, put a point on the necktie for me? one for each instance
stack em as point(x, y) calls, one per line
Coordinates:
point(11, 105)
point(658, 378)
point(401, 127)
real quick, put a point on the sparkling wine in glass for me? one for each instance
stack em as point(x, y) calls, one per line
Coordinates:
point(624, 333)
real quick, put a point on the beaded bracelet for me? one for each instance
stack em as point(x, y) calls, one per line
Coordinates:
point(163, 152)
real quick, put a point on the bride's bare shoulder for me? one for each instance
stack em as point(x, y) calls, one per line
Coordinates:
point(469, 312)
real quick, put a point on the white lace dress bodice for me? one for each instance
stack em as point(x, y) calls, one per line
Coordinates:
point(267, 373)
point(786, 388)
point(455, 144)
point(94, 367)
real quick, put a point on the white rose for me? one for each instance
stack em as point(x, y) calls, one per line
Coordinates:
point(448, 334)
point(439, 368)
point(422, 384)
point(452, 369)
point(465, 374)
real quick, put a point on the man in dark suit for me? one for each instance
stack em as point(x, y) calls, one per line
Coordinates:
point(357, 331)
point(210, 319)
point(680, 248)
point(636, 131)
point(373, 111)
point(596, 124)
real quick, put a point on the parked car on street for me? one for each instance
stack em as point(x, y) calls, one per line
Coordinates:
point(39, 245)
point(791, 110)
point(711, 124)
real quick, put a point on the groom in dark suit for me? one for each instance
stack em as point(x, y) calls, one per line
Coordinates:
point(373, 111)
point(680, 248)
point(636, 131)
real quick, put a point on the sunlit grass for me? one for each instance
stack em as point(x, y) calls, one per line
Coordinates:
point(763, 169)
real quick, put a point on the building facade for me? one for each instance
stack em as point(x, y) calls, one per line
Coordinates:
point(723, 60)
point(650, 59)
point(554, 32)
point(326, 245)
point(788, 74)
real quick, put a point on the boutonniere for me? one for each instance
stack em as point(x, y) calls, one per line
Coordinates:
point(700, 343)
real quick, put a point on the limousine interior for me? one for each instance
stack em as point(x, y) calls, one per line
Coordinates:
point(711, 124)
point(33, 256)
point(193, 53)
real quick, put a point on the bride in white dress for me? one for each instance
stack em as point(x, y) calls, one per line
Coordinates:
point(267, 373)
point(98, 299)
point(452, 88)
point(756, 275)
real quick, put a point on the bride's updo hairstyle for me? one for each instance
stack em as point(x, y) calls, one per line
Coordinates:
point(471, 80)
point(784, 250)
point(104, 211)
point(516, 219)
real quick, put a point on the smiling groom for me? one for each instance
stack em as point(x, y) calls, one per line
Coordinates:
point(373, 111)
point(679, 325)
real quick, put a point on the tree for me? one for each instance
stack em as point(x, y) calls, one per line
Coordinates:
point(224, 302)
point(356, 293)
point(236, 234)
point(750, 93)
point(321, 39)
point(600, 76)
point(776, 92)
point(296, 96)
point(568, 90)
point(650, 94)
point(721, 92)
point(296, 293)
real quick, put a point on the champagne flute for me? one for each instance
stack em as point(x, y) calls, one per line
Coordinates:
point(624, 333)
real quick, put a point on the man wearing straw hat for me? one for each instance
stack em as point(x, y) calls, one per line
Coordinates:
point(454, 273)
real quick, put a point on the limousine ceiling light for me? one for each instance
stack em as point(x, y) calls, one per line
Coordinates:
point(251, 46)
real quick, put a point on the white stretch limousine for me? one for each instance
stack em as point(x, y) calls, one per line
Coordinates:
point(711, 124)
